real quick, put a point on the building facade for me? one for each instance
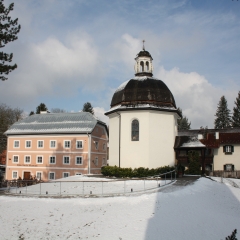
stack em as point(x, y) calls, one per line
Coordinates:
point(51, 146)
point(142, 120)
point(219, 149)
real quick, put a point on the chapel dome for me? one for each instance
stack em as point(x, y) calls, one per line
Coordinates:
point(142, 90)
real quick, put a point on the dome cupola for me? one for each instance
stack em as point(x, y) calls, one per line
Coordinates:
point(143, 65)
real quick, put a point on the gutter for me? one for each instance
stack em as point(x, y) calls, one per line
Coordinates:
point(119, 140)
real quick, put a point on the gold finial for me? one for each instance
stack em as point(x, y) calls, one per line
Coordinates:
point(143, 45)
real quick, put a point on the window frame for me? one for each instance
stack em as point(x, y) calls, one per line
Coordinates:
point(228, 149)
point(37, 159)
point(76, 160)
point(133, 132)
point(65, 173)
point(77, 144)
point(64, 160)
point(104, 146)
point(37, 174)
point(25, 159)
point(15, 142)
point(50, 144)
point(38, 141)
point(96, 161)
point(13, 173)
point(54, 159)
point(65, 144)
point(49, 174)
point(96, 143)
point(14, 157)
point(30, 141)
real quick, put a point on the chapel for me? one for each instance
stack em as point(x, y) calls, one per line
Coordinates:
point(142, 120)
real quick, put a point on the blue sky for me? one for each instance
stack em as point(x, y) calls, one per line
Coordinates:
point(71, 52)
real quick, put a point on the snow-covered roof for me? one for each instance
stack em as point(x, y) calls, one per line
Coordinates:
point(81, 122)
point(140, 106)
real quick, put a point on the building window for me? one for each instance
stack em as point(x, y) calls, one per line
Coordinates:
point(96, 145)
point(15, 159)
point(16, 144)
point(79, 144)
point(14, 175)
point(66, 174)
point(78, 160)
point(104, 162)
point(96, 161)
point(52, 144)
point(52, 159)
point(67, 144)
point(228, 167)
point(135, 130)
point(39, 159)
point(28, 144)
point(39, 175)
point(66, 160)
point(52, 175)
point(27, 159)
point(40, 144)
point(104, 146)
point(228, 149)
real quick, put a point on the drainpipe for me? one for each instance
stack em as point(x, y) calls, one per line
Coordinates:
point(89, 152)
point(119, 140)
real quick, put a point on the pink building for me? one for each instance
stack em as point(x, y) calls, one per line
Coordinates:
point(55, 145)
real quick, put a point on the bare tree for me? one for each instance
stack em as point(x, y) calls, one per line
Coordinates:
point(8, 116)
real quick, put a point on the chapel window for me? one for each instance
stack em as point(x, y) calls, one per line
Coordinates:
point(142, 66)
point(135, 130)
point(147, 66)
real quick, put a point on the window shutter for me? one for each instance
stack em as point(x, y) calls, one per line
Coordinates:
point(232, 148)
point(224, 167)
point(232, 167)
point(224, 148)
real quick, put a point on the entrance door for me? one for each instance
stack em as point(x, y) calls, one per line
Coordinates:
point(26, 175)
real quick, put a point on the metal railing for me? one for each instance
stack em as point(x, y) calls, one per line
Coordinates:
point(109, 187)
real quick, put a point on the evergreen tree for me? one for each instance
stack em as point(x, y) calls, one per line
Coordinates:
point(232, 236)
point(236, 112)
point(8, 33)
point(41, 107)
point(87, 107)
point(194, 165)
point(183, 123)
point(223, 119)
point(31, 113)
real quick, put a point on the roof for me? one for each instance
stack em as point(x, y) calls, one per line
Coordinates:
point(226, 136)
point(187, 142)
point(82, 122)
point(144, 54)
point(143, 90)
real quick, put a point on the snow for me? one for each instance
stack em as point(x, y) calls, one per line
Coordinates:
point(204, 210)
point(83, 186)
point(193, 142)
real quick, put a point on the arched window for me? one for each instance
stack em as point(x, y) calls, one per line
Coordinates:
point(135, 130)
point(147, 66)
point(142, 66)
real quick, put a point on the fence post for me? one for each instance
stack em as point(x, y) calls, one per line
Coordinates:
point(83, 188)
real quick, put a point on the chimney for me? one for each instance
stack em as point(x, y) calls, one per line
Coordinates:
point(217, 135)
point(200, 136)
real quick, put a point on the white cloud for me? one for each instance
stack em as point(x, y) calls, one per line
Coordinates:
point(195, 95)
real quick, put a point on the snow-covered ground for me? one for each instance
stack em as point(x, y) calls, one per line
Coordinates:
point(203, 210)
point(83, 186)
